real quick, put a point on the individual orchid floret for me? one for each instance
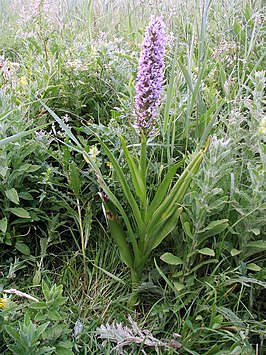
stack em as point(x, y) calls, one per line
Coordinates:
point(149, 79)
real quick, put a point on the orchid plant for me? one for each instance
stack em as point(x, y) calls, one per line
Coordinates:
point(150, 221)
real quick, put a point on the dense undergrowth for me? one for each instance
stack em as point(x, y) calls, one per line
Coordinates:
point(63, 286)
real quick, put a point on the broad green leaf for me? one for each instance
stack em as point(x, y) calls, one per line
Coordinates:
point(37, 278)
point(215, 227)
point(74, 178)
point(23, 248)
point(253, 267)
point(30, 168)
point(171, 259)
point(12, 195)
point(13, 333)
point(235, 252)
point(3, 224)
point(26, 196)
point(207, 251)
point(20, 212)
point(41, 328)
point(64, 348)
point(38, 305)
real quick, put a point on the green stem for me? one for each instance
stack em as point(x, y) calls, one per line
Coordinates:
point(135, 280)
point(82, 244)
point(143, 173)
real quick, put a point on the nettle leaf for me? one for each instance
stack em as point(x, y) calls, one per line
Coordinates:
point(19, 212)
point(171, 259)
point(3, 224)
point(207, 251)
point(12, 195)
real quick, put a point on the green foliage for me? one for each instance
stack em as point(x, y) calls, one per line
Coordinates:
point(207, 281)
point(38, 328)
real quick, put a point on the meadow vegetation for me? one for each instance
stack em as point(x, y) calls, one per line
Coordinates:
point(68, 70)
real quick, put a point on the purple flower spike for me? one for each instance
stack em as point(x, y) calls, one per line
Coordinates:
point(149, 78)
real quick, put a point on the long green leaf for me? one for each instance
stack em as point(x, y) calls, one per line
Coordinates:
point(115, 201)
point(170, 92)
point(62, 125)
point(176, 195)
point(117, 232)
point(162, 189)
point(19, 135)
point(162, 231)
point(122, 179)
point(135, 174)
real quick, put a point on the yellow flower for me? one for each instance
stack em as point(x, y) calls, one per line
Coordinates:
point(23, 81)
point(93, 152)
point(3, 302)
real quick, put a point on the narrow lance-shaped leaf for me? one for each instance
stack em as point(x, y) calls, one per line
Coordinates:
point(115, 201)
point(122, 179)
point(163, 230)
point(116, 230)
point(162, 189)
point(176, 195)
point(135, 174)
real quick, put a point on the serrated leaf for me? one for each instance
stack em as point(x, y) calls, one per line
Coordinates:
point(3, 224)
point(207, 251)
point(19, 212)
point(23, 248)
point(12, 195)
point(253, 267)
point(235, 252)
point(171, 259)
